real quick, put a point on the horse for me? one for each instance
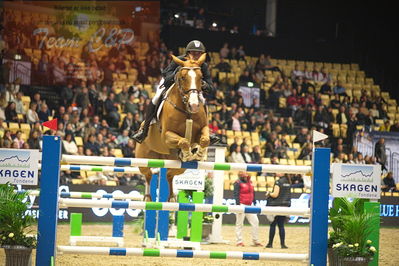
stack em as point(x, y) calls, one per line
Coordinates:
point(166, 138)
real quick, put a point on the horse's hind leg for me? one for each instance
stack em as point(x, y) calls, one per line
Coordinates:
point(174, 141)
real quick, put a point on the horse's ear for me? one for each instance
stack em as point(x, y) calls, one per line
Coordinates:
point(202, 58)
point(177, 60)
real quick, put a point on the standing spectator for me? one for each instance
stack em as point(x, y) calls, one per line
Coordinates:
point(235, 122)
point(388, 183)
point(244, 195)
point(380, 153)
point(280, 196)
point(224, 51)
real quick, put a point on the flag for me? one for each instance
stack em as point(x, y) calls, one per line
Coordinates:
point(317, 136)
point(52, 124)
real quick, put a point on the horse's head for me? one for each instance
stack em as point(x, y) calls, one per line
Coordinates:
point(188, 80)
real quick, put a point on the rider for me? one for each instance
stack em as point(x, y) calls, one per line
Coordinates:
point(195, 49)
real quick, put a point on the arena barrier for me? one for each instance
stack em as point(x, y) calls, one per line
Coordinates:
point(90, 195)
point(49, 202)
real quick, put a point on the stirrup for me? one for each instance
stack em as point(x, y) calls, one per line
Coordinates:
point(214, 139)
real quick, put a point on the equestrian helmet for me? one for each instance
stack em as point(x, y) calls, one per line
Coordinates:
point(195, 46)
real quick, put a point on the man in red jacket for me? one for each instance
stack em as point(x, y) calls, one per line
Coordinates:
point(244, 194)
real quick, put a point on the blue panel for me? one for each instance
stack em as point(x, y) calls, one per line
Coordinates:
point(74, 168)
point(65, 195)
point(117, 225)
point(189, 165)
point(48, 200)
point(119, 169)
point(107, 196)
point(250, 256)
point(252, 209)
point(254, 168)
point(186, 207)
point(319, 207)
point(163, 216)
point(120, 204)
point(122, 162)
point(181, 253)
point(117, 251)
point(150, 216)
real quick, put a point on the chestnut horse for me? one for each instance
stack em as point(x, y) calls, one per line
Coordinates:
point(166, 137)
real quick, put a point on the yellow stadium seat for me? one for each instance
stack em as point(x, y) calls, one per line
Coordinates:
point(266, 160)
point(13, 127)
point(283, 161)
point(299, 162)
point(118, 153)
point(79, 141)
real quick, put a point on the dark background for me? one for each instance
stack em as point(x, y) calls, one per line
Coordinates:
point(361, 32)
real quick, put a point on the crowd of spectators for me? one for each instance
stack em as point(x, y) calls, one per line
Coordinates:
point(91, 107)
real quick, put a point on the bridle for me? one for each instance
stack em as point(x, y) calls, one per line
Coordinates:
point(184, 94)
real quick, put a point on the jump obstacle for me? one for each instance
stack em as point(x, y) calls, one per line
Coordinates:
point(49, 202)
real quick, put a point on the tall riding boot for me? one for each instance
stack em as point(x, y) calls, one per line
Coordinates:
point(141, 134)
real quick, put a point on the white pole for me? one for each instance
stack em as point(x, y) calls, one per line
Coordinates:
point(218, 187)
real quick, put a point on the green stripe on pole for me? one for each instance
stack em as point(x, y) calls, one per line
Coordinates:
point(221, 166)
point(218, 255)
point(196, 219)
point(151, 252)
point(153, 206)
point(86, 195)
point(182, 216)
point(156, 163)
point(374, 208)
point(220, 208)
point(76, 224)
point(97, 169)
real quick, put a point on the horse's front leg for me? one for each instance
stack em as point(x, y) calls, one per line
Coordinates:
point(174, 141)
point(203, 145)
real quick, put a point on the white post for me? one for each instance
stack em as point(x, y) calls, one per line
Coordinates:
point(218, 187)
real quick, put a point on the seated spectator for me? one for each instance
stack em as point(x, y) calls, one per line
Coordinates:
point(241, 52)
point(386, 126)
point(339, 88)
point(18, 142)
point(223, 66)
point(246, 154)
point(128, 150)
point(359, 159)
point(91, 146)
point(342, 116)
point(111, 108)
point(296, 72)
point(44, 113)
point(19, 104)
point(7, 140)
point(388, 183)
point(255, 154)
point(297, 181)
point(395, 127)
point(34, 140)
point(236, 155)
point(11, 113)
point(31, 116)
point(301, 136)
point(123, 139)
point(326, 88)
point(69, 146)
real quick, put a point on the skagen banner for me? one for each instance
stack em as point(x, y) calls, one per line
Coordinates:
point(356, 181)
point(19, 167)
point(389, 206)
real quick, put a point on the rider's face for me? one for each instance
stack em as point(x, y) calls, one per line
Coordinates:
point(195, 55)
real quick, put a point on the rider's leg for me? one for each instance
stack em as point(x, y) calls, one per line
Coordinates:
point(150, 113)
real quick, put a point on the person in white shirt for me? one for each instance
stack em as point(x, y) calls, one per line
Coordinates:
point(236, 124)
point(296, 72)
point(32, 116)
point(69, 145)
point(19, 104)
point(236, 156)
